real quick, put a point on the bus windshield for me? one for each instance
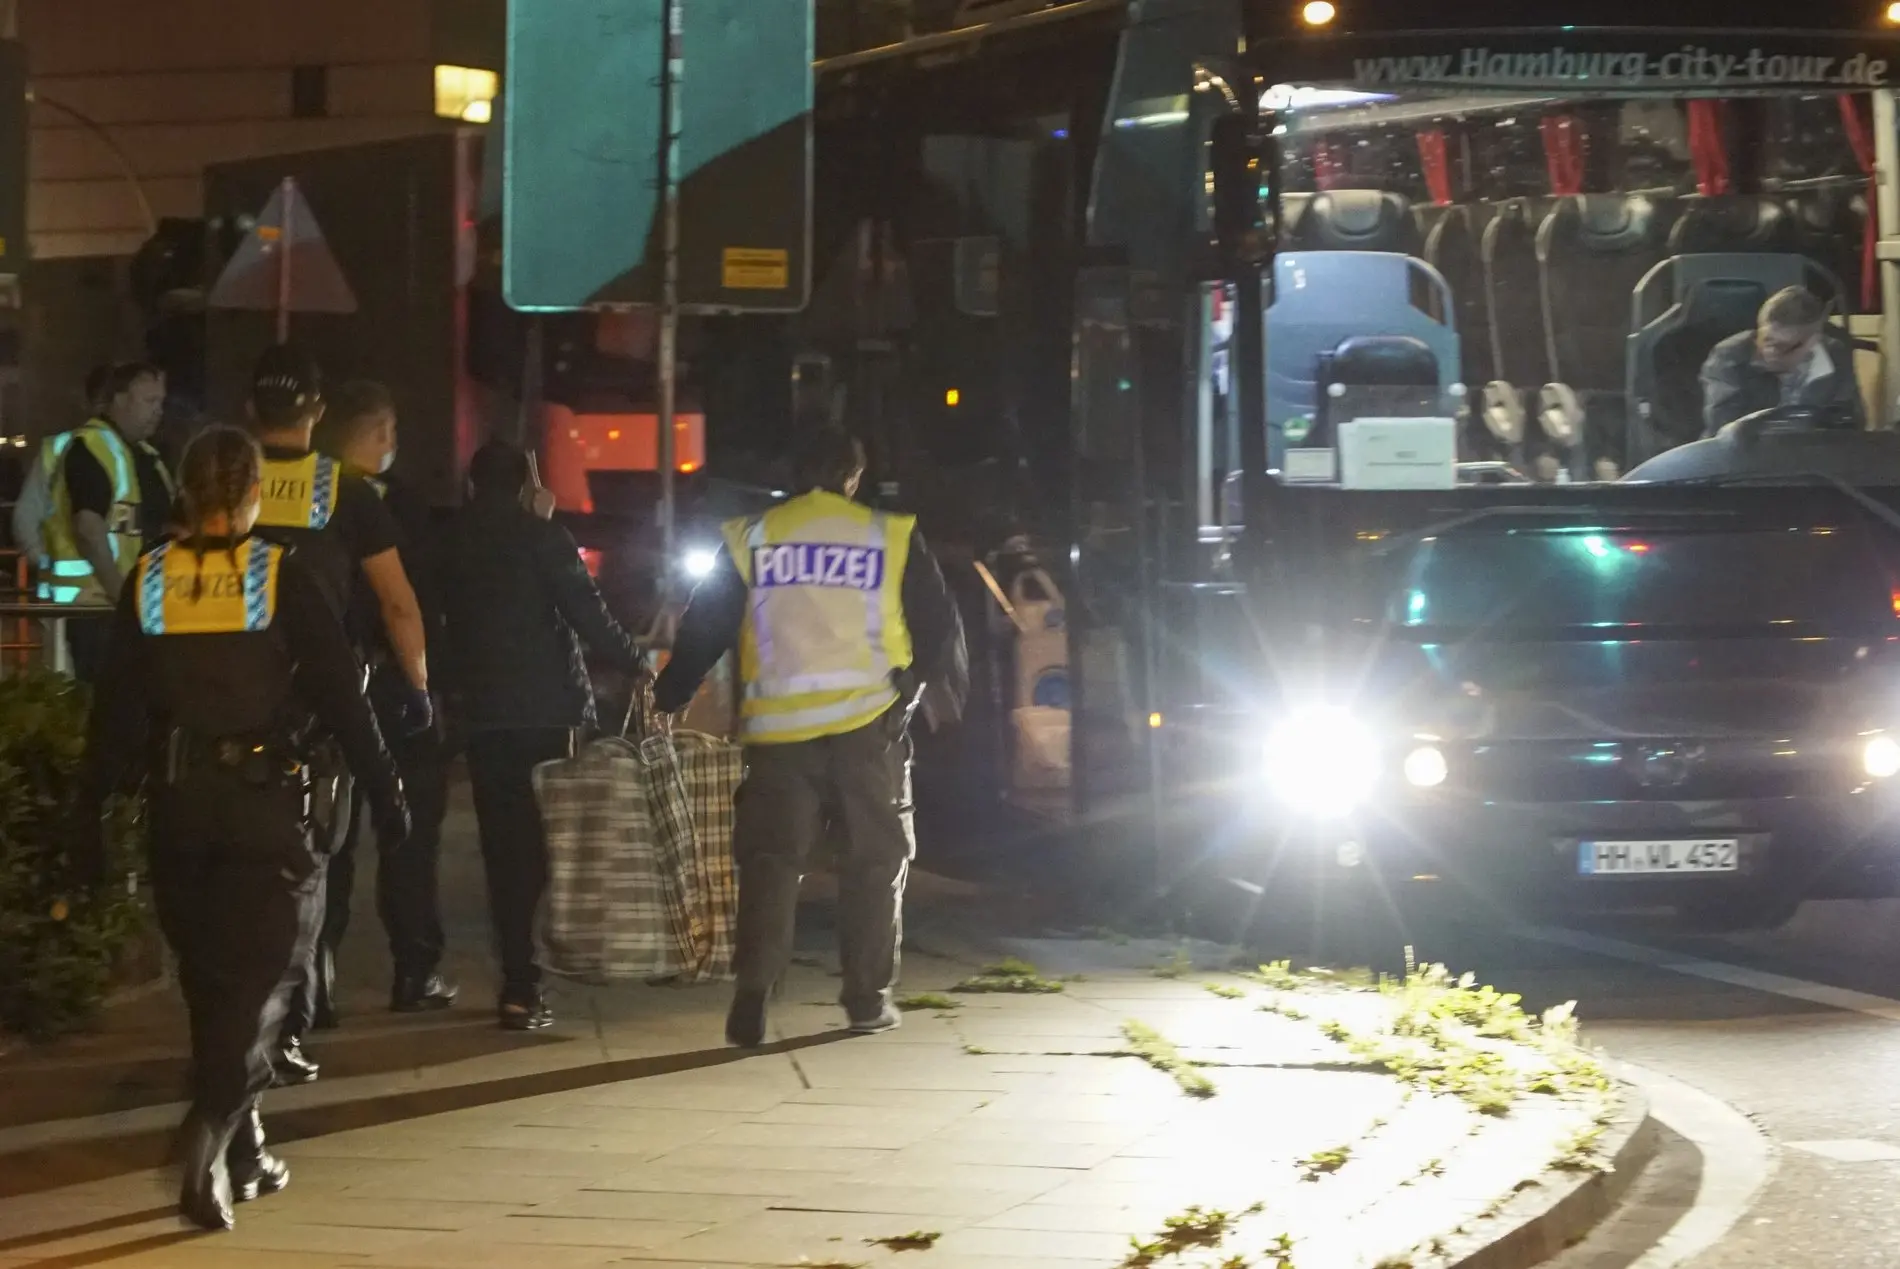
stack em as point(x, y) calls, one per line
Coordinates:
point(1552, 285)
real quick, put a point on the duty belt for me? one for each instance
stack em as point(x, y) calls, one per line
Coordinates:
point(264, 761)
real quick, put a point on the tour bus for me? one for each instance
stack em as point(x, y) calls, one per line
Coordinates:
point(1490, 593)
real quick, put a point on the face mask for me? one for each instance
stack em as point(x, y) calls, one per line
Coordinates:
point(389, 460)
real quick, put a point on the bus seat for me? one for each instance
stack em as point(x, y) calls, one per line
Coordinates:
point(1738, 223)
point(1358, 220)
point(1322, 300)
point(1375, 376)
point(1514, 316)
point(1592, 251)
point(1679, 311)
point(1455, 248)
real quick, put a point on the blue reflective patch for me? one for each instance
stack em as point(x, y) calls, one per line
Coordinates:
point(818, 564)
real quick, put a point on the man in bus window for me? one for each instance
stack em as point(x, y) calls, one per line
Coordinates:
point(1792, 358)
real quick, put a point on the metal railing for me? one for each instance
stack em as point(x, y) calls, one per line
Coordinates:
point(32, 630)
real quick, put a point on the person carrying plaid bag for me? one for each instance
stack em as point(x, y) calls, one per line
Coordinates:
point(841, 618)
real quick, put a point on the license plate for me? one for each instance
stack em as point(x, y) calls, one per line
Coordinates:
point(1618, 859)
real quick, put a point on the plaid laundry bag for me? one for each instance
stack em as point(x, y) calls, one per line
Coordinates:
point(623, 864)
point(712, 769)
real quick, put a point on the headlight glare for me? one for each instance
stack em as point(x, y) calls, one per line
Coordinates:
point(1321, 761)
point(1426, 768)
point(1881, 757)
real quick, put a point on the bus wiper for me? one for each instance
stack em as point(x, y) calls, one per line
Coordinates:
point(1487, 513)
point(1859, 497)
point(1462, 519)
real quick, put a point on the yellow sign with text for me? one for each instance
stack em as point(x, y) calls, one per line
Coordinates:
point(756, 269)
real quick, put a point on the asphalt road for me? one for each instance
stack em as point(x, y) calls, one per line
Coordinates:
point(1799, 1030)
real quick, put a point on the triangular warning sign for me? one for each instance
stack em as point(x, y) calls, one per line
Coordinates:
point(284, 263)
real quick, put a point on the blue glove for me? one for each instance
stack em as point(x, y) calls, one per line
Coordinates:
point(416, 713)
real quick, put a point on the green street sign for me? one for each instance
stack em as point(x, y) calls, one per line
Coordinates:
point(581, 145)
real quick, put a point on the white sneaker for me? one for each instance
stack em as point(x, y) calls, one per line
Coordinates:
point(889, 1020)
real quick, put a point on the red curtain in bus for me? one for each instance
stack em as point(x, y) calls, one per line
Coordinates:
point(1860, 135)
point(1432, 157)
point(1563, 154)
point(1708, 147)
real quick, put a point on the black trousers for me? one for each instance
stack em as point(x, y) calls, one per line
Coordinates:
point(860, 782)
point(407, 897)
point(238, 893)
point(86, 639)
point(514, 849)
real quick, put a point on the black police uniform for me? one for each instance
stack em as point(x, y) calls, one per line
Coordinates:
point(335, 521)
point(224, 662)
point(407, 896)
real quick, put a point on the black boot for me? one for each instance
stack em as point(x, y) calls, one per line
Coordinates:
point(323, 1014)
point(421, 993)
point(745, 1021)
point(204, 1198)
point(254, 1170)
point(289, 1065)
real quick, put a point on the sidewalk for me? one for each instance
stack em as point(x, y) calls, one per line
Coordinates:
point(1011, 1130)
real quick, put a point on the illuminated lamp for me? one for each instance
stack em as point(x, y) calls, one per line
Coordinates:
point(466, 93)
point(1322, 12)
point(1893, 14)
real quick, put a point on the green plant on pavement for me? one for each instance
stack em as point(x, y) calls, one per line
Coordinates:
point(1194, 1229)
point(1176, 966)
point(58, 949)
point(1157, 1051)
point(928, 1000)
point(1009, 976)
point(1225, 991)
point(1324, 1162)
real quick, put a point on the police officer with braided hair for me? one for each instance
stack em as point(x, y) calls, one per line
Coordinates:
point(225, 660)
point(343, 532)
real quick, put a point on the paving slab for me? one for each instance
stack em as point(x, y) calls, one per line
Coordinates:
point(1015, 1126)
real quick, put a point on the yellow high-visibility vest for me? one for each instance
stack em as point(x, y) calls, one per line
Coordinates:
point(70, 577)
point(824, 626)
point(299, 493)
point(181, 592)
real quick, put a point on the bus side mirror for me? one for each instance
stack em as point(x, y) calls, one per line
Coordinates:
point(1240, 166)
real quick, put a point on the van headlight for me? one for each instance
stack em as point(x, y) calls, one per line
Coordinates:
point(698, 563)
point(1881, 757)
point(1321, 762)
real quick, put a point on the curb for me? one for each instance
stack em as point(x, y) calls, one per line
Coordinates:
point(1561, 1208)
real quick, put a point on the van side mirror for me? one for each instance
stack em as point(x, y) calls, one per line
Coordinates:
point(1240, 168)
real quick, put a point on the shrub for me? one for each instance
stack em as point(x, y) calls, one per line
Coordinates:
point(58, 951)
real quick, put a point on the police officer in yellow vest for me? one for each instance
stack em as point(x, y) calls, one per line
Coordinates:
point(841, 618)
point(343, 532)
point(224, 659)
point(111, 495)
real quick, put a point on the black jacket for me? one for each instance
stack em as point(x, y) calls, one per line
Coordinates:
point(519, 605)
point(1735, 384)
point(940, 668)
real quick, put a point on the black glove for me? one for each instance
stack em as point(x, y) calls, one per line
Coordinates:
point(415, 712)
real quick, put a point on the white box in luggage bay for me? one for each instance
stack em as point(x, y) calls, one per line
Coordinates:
point(1398, 454)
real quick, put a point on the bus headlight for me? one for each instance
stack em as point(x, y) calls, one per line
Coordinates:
point(1321, 762)
point(1426, 768)
point(1881, 758)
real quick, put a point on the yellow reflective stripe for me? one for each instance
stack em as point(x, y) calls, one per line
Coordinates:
point(810, 722)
